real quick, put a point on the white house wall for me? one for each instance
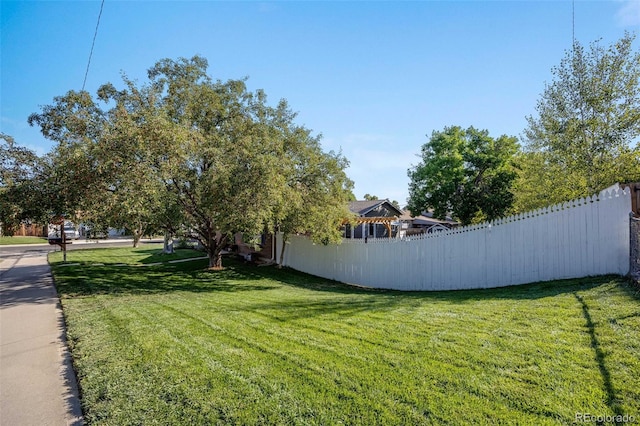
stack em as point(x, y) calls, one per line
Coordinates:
point(581, 238)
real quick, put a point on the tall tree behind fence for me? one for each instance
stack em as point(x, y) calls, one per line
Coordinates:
point(584, 237)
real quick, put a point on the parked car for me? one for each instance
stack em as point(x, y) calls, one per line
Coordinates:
point(71, 231)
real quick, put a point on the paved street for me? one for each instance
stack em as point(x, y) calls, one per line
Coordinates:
point(37, 384)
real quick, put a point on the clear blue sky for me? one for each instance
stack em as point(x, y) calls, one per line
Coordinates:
point(375, 78)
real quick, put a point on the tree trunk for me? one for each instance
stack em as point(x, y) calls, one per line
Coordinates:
point(168, 243)
point(215, 258)
point(284, 243)
point(214, 250)
point(137, 235)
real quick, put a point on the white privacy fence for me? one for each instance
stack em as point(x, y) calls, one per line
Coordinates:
point(584, 237)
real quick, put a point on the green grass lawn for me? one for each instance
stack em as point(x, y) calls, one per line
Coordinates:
point(22, 240)
point(147, 255)
point(175, 344)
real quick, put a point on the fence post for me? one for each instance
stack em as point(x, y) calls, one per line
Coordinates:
point(634, 248)
point(634, 233)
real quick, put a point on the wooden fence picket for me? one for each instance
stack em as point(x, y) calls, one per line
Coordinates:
point(588, 236)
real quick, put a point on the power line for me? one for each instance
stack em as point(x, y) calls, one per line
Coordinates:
point(95, 34)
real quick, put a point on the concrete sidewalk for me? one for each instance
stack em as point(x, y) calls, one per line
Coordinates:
point(37, 383)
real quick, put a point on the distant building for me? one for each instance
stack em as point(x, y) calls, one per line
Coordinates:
point(376, 219)
point(423, 224)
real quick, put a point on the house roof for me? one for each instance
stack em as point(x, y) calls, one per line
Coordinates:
point(425, 219)
point(362, 207)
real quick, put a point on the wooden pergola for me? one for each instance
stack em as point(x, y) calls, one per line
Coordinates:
point(383, 220)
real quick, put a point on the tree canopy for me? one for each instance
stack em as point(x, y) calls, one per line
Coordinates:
point(26, 187)
point(465, 173)
point(585, 136)
point(29, 186)
point(210, 155)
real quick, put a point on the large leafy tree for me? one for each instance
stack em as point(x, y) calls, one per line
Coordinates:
point(466, 173)
point(538, 178)
point(185, 151)
point(20, 196)
point(586, 132)
point(237, 164)
point(96, 166)
point(316, 193)
point(131, 196)
point(32, 188)
point(72, 183)
point(17, 163)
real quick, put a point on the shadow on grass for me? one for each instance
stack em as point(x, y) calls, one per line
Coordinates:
point(516, 292)
point(156, 255)
point(120, 255)
point(612, 401)
point(130, 280)
point(237, 276)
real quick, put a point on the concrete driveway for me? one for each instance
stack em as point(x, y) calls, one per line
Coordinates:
point(37, 383)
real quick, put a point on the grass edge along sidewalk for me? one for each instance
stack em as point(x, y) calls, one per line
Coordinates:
point(176, 344)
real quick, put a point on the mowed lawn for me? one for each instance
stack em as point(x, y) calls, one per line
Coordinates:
point(175, 344)
point(21, 240)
